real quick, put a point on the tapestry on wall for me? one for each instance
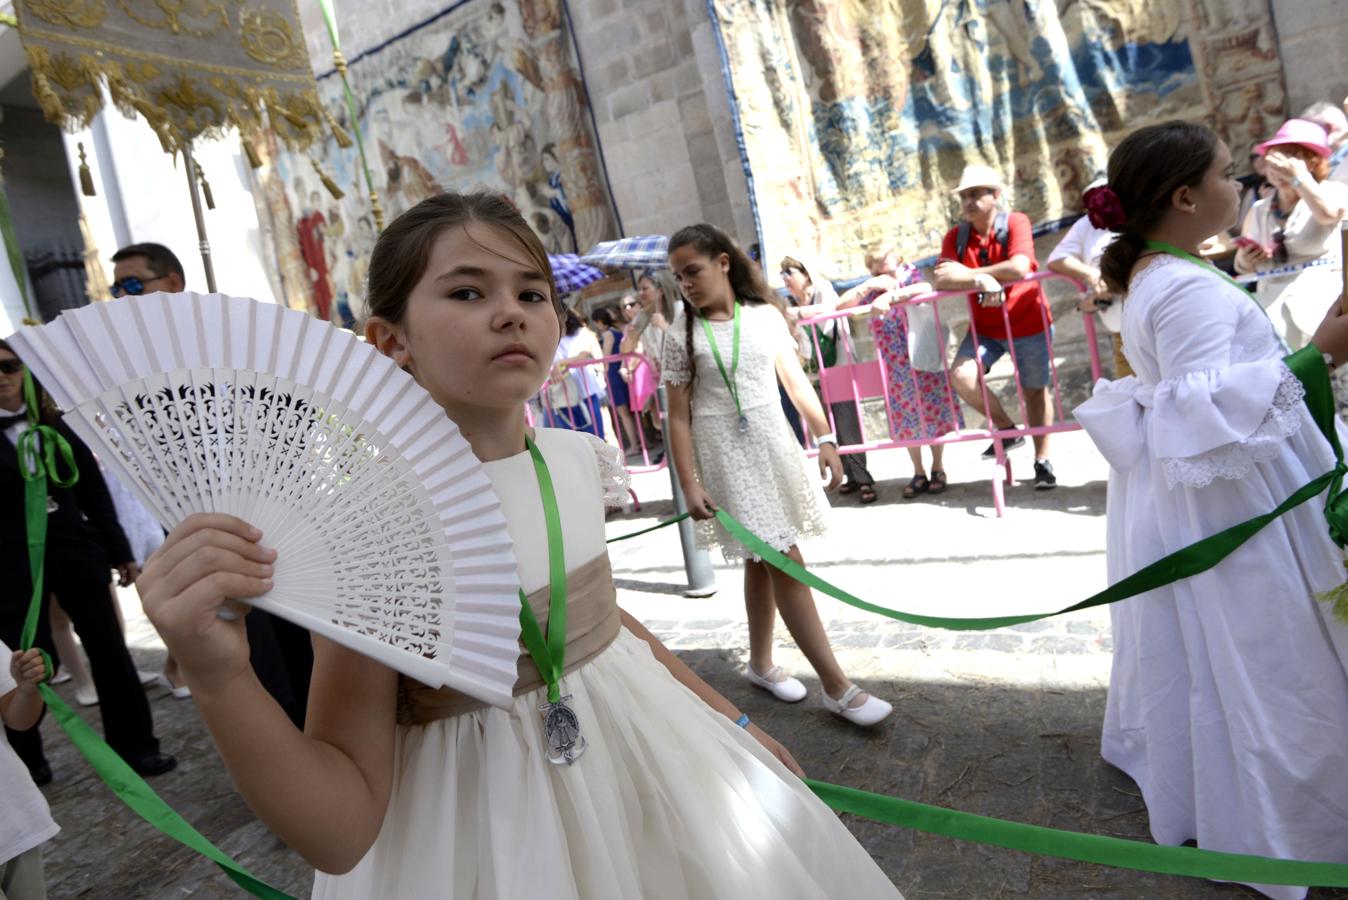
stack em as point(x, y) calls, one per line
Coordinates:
point(484, 95)
point(857, 116)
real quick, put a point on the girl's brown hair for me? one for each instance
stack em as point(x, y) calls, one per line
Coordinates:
point(47, 411)
point(1145, 170)
point(746, 279)
point(403, 250)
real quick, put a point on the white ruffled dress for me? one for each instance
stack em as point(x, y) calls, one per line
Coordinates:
point(761, 476)
point(1228, 698)
point(669, 801)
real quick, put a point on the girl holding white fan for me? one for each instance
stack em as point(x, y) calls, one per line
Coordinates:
point(642, 781)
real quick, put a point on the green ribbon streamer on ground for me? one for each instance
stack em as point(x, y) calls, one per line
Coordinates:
point(39, 448)
point(1306, 364)
point(1092, 848)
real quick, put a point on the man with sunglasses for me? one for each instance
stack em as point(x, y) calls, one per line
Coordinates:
point(988, 248)
point(146, 268)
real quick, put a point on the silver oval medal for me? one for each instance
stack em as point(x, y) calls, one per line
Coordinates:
point(561, 728)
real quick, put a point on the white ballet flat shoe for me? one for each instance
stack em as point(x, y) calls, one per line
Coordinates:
point(868, 713)
point(61, 677)
point(86, 696)
point(146, 677)
point(778, 683)
point(182, 691)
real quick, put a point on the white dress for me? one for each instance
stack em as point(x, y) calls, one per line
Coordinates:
point(761, 476)
point(669, 800)
point(1228, 698)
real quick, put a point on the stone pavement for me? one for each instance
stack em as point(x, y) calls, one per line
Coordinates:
point(1003, 723)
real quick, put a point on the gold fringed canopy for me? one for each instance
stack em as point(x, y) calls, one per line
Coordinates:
point(189, 67)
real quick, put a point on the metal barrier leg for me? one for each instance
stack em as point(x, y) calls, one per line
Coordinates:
point(696, 563)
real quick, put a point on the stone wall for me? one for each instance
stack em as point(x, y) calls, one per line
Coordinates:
point(1312, 35)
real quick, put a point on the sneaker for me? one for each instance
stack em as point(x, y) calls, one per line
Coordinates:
point(1043, 475)
point(778, 683)
point(1008, 444)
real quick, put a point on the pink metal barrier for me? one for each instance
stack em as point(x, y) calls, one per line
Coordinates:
point(560, 405)
point(856, 380)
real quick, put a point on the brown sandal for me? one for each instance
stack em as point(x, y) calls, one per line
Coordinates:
point(919, 485)
point(868, 494)
point(848, 487)
point(938, 481)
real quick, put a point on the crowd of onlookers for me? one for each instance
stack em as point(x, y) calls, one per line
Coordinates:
point(1292, 202)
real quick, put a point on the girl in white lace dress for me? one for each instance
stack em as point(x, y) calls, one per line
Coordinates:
point(732, 447)
point(403, 791)
point(1228, 699)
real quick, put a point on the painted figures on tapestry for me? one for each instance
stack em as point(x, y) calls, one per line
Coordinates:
point(865, 113)
point(486, 94)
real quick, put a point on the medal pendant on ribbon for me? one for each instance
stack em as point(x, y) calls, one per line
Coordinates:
point(744, 423)
point(561, 728)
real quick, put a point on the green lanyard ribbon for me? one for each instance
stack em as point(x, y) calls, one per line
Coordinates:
point(39, 448)
point(549, 653)
point(729, 379)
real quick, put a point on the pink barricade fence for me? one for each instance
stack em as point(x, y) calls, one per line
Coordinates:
point(565, 403)
point(852, 380)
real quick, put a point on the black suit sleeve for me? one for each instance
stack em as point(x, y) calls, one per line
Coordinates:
point(95, 501)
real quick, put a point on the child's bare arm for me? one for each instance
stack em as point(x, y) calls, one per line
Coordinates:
point(22, 707)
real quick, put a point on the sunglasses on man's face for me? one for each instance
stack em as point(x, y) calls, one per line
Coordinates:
point(133, 285)
point(10, 367)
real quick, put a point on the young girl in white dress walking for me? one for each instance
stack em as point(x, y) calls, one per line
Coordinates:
point(1228, 698)
point(732, 448)
point(395, 790)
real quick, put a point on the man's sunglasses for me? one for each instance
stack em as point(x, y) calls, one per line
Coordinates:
point(133, 285)
point(10, 366)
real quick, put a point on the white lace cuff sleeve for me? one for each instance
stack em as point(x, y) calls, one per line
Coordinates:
point(614, 479)
point(1279, 418)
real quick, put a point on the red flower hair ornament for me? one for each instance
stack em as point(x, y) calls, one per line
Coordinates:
point(1104, 209)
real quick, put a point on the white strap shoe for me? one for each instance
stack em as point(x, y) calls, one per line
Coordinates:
point(781, 685)
point(868, 713)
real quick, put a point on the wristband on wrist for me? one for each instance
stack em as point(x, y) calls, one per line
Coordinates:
point(743, 720)
point(829, 438)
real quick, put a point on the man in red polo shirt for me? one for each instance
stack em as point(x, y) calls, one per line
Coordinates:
point(988, 248)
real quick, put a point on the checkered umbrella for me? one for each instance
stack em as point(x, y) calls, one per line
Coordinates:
point(571, 273)
point(649, 251)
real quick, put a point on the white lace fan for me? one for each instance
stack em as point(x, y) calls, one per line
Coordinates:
point(389, 536)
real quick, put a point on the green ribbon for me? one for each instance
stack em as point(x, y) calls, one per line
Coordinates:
point(40, 448)
point(1092, 848)
point(549, 653)
point(729, 379)
point(673, 520)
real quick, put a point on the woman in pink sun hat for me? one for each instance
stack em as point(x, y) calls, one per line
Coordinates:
point(1294, 226)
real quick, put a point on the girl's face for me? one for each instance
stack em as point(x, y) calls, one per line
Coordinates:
point(886, 265)
point(649, 295)
point(11, 383)
point(705, 280)
point(798, 283)
point(1216, 200)
point(480, 327)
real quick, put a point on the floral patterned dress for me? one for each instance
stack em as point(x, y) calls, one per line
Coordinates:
point(921, 405)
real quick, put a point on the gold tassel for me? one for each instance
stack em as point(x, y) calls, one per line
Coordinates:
point(86, 177)
point(339, 62)
point(338, 132)
point(336, 192)
point(254, 161)
point(378, 212)
point(47, 98)
point(205, 188)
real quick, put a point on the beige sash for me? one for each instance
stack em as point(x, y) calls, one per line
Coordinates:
point(592, 623)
